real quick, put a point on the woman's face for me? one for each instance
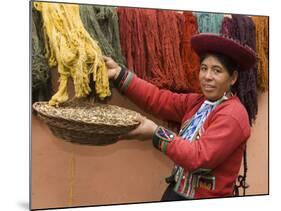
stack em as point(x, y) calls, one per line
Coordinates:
point(214, 78)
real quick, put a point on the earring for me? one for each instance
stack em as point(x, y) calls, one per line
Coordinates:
point(228, 92)
point(231, 93)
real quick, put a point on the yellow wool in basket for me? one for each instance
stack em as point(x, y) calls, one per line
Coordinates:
point(70, 47)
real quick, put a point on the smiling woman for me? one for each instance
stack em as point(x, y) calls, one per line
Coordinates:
point(216, 76)
point(215, 125)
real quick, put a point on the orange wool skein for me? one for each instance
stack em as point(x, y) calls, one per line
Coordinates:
point(190, 60)
point(154, 67)
point(169, 33)
point(125, 20)
point(261, 24)
point(151, 43)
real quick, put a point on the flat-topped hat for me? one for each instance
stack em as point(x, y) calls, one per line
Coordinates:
point(243, 55)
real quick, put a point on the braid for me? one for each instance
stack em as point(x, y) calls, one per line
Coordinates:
point(242, 178)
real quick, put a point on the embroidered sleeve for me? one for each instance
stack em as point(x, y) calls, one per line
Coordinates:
point(123, 80)
point(161, 138)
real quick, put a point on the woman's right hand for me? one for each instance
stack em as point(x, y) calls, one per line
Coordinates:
point(113, 68)
point(144, 131)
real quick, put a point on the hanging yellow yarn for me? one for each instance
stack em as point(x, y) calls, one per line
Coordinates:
point(70, 47)
point(261, 23)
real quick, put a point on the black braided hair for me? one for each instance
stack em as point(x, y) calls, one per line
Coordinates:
point(241, 180)
point(247, 85)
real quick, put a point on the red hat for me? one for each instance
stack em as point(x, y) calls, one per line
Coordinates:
point(243, 55)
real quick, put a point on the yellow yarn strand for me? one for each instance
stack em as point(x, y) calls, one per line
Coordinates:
point(71, 180)
point(70, 47)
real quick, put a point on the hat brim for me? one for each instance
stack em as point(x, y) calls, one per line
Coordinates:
point(243, 55)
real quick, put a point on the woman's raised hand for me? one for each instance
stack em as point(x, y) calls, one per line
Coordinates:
point(113, 68)
point(146, 128)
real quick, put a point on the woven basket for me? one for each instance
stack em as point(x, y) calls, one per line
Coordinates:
point(87, 123)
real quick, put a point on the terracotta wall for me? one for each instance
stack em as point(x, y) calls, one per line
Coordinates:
point(66, 174)
point(257, 152)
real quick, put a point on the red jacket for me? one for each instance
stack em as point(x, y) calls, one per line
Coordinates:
point(221, 144)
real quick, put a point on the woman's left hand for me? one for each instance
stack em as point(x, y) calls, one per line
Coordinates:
point(144, 131)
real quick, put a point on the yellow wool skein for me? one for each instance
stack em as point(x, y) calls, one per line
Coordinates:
point(70, 47)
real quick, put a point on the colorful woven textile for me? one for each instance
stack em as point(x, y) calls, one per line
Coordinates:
point(189, 132)
point(197, 121)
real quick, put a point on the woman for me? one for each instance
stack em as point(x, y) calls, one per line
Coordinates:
point(214, 125)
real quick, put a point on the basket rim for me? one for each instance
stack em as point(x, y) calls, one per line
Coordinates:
point(83, 122)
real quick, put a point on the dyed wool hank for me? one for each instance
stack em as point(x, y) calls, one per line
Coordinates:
point(71, 48)
point(151, 42)
point(41, 86)
point(102, 25)
point(242, 28)
point(209, 22)
point(261, 24)
point(190, 60)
